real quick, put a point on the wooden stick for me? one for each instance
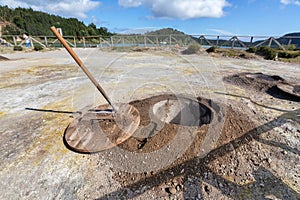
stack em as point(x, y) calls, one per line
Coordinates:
point(81, 65)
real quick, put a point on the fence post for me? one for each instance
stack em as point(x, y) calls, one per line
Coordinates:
point(74, 41)
point(112, 41)
point(15, 42)
point(270, 42)
point(46, 41)
point(290, 42)
point(233, 41)
point(218, 38)
point(251, 41)
point(83, 38)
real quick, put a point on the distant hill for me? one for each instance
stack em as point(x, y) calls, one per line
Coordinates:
point(165, 31)
point(177, 36)
point(285, 39)
point(22, 20)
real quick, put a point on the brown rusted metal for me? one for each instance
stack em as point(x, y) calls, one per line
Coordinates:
point(95, 132)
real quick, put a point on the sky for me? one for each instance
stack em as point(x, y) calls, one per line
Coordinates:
point(195, 17)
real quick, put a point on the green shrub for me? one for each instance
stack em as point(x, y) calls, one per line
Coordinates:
point(211, 49)
point(252, 50)
point(242, 55)
point(266, 52)
point(18, 48)
point(290, 47)
point(193, 48)
point(38, 47)
point(288, 54)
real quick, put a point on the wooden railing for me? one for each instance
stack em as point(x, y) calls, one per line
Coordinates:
point(223, 41)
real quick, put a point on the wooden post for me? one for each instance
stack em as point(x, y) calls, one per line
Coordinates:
point(279, 44)
point(74, 39)
point(270, 41)
point(112, 41)
point(157, 42)
point(83, 38)
point(218, 38)
point(46, 41)
point(233, 41)
point(31, 42)
point(251, 41)
point(170, 40)
point(290, 42)
point(15, 41)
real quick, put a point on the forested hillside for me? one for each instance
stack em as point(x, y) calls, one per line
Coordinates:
point(21, 20)
point(165, 31)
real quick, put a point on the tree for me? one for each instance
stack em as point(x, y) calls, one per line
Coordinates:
point(39, 23)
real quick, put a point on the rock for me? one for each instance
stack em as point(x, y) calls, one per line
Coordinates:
point(171, 190)
point(284, 152)
point(262, 185)
point(179, 187)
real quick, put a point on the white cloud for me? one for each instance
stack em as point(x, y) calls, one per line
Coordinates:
point(130, 3)
point(287, 2)
point(180, 9)
point(67, 8)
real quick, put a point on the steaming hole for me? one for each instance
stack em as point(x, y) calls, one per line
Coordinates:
point(182, 111)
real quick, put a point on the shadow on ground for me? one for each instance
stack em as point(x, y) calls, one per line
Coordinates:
point(266, 183)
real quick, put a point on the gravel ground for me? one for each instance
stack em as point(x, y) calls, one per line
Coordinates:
point(257, 158)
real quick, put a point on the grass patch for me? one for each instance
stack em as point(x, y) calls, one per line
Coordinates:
point(4, 50)
point(127, 49)
point(232, 53)
point(271, 54)
point(288, 54)
point(291, 60)
point(266, 52)
point(211, 49)
point(18, 48)
point(38, 47)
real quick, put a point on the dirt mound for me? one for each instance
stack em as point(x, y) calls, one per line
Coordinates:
point(273, 85)
point(2, 58)
point(254, 81)
point(217, 125)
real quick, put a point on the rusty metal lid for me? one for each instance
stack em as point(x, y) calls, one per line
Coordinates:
point(96, 131)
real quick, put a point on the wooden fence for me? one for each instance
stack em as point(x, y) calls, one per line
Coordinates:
point(223, 41)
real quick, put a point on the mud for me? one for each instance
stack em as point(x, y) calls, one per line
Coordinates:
point(273, 85)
